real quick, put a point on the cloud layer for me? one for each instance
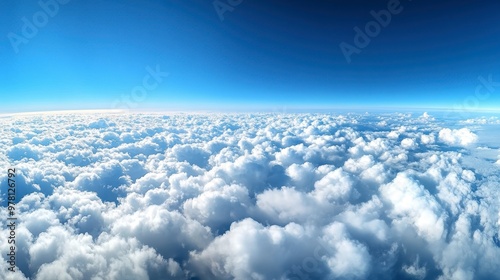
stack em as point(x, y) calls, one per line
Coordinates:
point(251, 196)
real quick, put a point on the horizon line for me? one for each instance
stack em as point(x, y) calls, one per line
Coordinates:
point(247, 109)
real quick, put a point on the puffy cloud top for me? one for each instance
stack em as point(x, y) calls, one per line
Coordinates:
point(251, 196)
point(462, 137)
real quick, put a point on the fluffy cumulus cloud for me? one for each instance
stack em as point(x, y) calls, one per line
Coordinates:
point(461, 136)
point(252, 196)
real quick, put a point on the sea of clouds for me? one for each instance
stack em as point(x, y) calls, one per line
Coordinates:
point(251, 196)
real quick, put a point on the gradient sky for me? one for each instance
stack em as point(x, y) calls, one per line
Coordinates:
point(264, 53)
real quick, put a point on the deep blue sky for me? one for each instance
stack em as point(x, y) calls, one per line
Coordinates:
point(264, 53)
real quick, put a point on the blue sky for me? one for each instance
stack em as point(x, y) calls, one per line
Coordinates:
point(264, 53)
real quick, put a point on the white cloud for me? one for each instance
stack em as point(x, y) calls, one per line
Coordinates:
point(425, 116)
point(351, 258)
point(335, 186)
point(255, 196)
point(415, 270)
point(215, 207)
point(287, 205)
point(427, 139)
point(413, 204)
point(462, 137)
point(250, 251)
point(408, 143)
